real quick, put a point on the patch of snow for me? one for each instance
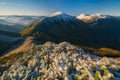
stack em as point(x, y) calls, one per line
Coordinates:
point(56, 14)
point(90, 18)
point(81, 16)
point(62, 17)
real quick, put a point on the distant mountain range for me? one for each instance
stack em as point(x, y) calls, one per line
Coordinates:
point(16, 23)
point(87, 30)
point(10, 28)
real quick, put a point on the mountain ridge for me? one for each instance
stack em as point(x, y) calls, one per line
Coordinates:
point(101, 33)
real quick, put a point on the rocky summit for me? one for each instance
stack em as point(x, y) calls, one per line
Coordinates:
point(61, 61)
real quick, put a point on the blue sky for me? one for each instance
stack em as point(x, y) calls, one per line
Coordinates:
point(72, 7)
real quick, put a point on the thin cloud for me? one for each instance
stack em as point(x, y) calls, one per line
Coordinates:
point(3, 3)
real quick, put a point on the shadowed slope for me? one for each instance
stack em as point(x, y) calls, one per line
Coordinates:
point(26, 45)
point(103, 32)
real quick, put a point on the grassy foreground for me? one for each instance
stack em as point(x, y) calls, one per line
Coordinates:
point(58, 61)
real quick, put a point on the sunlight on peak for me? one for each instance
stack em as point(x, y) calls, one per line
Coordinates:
point(56, 14)
point(90, 18)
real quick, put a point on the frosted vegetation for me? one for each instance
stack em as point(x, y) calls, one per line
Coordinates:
point(62, 61)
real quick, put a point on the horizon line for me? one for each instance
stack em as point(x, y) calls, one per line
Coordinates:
point(52, 13)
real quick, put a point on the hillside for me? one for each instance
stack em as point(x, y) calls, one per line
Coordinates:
point(101, 51)
point(8, 40)
point(8, 33)
point(58, 61)
point(22, 46)
point(103, 32)
point(10, 28)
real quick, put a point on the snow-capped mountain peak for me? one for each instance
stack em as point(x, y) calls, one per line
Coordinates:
point(90, 18)
point(62, 17)
point(81, 16)
point(56, 14)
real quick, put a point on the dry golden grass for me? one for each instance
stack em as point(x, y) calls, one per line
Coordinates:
point(27, 31)
point(108, 51)
point(104, 52)
point(101, 51)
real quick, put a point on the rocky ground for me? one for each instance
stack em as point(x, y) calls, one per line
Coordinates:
point(62, 61)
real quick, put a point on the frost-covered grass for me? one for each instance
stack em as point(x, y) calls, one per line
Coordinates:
point(62, 61)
